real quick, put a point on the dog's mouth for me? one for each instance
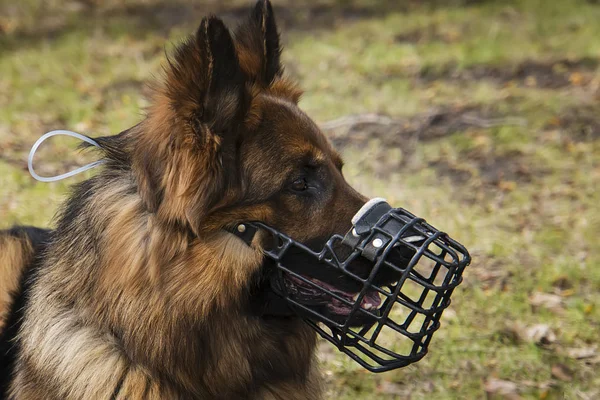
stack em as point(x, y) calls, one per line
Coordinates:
point(340, 306)
point(347, 296)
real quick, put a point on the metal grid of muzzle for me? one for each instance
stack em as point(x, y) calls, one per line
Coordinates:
point(426, 265)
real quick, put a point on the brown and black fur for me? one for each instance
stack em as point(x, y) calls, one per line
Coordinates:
point(20, 252)
point(140, 291)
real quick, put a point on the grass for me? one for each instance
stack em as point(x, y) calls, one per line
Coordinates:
point(523, 198)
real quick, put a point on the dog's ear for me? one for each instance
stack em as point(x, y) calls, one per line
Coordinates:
point(258, 45)
point(205, 83)
point(193, 125)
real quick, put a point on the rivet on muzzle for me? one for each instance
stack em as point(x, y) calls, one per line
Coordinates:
point(412, 270)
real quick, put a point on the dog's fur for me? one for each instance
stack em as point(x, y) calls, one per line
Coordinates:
point(140, 291)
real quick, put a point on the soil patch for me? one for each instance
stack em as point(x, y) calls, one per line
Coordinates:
point(579, 124)
point(162, 16)
point(550, 75)
point(430, 33)
point(397, 132)
point(503, 171)
point(487, 170)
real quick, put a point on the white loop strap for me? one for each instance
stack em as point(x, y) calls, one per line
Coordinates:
point(65, 175)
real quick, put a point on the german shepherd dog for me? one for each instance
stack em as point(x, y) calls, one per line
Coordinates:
point(141, 291)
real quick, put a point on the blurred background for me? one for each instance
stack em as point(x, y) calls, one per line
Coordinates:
point(481, 116)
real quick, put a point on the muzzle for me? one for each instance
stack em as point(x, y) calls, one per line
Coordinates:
point(412, 270)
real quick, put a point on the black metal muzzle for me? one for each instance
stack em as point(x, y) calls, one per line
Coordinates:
point(403, 268)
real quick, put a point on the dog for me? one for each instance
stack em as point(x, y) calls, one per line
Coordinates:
point(141, 290)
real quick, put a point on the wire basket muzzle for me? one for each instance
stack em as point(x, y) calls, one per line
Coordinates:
point(406, 271)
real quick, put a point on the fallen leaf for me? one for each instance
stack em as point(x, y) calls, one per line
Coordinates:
point(8, 25)
point(538, 385)
point(540, 334)
point(582, 353)
point(561, 372)
point(549, 301)
point(555, 121)
point(506, 389)
point(576, 78)
point(454, 385)
point(593, 361)
point(507, 186)
point(482, 140)
point(591, 395)
point(452, 36)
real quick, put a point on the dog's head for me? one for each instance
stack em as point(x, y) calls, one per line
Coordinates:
point(225, 142)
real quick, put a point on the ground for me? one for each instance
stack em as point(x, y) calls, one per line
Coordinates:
point(485, 120)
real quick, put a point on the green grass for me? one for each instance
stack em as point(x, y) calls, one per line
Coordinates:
point(523, 198)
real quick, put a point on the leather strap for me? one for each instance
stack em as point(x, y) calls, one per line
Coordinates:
point(367, 218)
point(245, 232)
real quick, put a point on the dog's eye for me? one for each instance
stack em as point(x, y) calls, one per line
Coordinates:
point(299, 185)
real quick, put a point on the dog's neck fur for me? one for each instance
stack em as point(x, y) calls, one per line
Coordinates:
point(162, 317)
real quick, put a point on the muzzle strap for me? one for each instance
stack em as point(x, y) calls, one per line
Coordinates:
point(369, 214)
point(372, 244)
